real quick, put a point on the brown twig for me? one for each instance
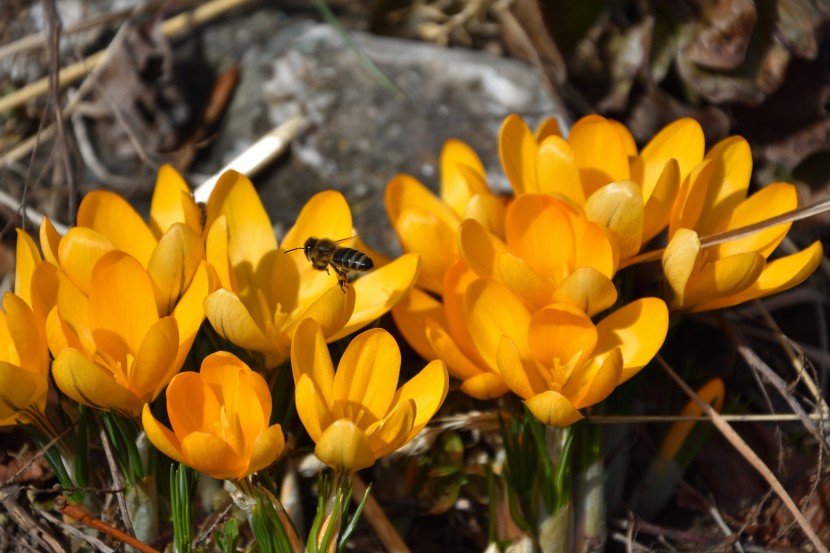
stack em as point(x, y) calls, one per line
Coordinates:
point(375, 516)
point(38, 533)
point(76, 533)
point(743, 448)
point(79, 515)
point(117, 477)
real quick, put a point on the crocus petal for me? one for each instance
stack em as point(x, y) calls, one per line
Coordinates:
point(114, 217)
point(627, 138)
point(121, 285)
point(619, 207)
point(423, 391)
point(595, 248)
point(682, 141)
point(520, 375)
point(410, 316)
point(192, 404)
point(25, 335)
point(659, 203)
point(600, 153)
point(728, 189)
point(231, 319)
point(711, 393)
point(492, 311)
point(367, 374)
point(251, 237)
point(561, 333)
point(87, 383)
point(173, 203)
point(530, 286)
point(160, 436)
point(70, 321)
point(638, 329)
point(488, 210)
point(155, 358)
point(213, 456)
point(216, 253)
point(587, 289)
point(480, 249)
point(419, 232)
point(335, 225)
point(456, 282)
point(344, 445)
point(456, 187)
point(331, 311)
point(531, 217)
point(312, 408)
point(390, 433)
point(723, 277)
point(27, 257)
point(310, 357)
point(517, 149)
point(777, 276)
point(378, 291)
point(406, 192)
point(268, 446)
point(485, 386)
point(679, 260)
point(592, 383)
point(19, 390)
point(553, 409)
point(78, 253)
point(175, 259)
point(215, 371)
point(445, 348)
point(548, 127)
point(44, 289)
point(769, 202)
point(692, 197)
point(49, 241)
point(556, 170)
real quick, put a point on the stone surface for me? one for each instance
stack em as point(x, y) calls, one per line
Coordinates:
point(362, 134)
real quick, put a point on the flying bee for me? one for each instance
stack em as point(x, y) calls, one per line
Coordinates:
point(323, 253)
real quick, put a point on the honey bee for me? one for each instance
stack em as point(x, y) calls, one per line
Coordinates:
point(323, 253)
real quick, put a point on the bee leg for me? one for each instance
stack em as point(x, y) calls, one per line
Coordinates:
point(342, 277)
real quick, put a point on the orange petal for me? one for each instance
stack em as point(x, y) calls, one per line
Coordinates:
point(73, 312)
point(456, 187)
point(216, 253)
point(331, 311)
point(488, 210)
point(548, 127)
point(189, 311)
point(531, 222)
point(492, 311)
point(712, 393)
point(25, 336)
point(406, 192)
point(155, 360)
point(344, 446)
point(160, 436)
point(530, 286)
point(638, 329)
point(600, 153)
point(419, 232)
point(378, 291)
point(456, 282)
point(87, 383)
point(659, 202)
point(310, 357)
point(626, 137)
point(336, 225)
point(315, 413)
point(392, 432)
point(173, 203)
point(27, 257)
point(769, 202)
point(485, 386)
point(231, 319)
point(595, 247)
point(559, 333)
point(553, 409)
point(411, 314)
point(692, 197)
point(122, 299)
point(367, 374)
point(587, 289)
point(19, 390)
point(213, 456)
point(591, 383)
point(427, 390)
point(517, 149)
point(192, 405)
point(480, 249)
point(446, 349)
point(78, 252)
point(723, 277)
point(777, 276)
point(557, 172)
point(111, 215)
point(728, 189)
point(519, 374)
point(49, 241)
point(619, 207)
point(679, 261)
point(173, 263)
point(268, 447)
point(682, 141)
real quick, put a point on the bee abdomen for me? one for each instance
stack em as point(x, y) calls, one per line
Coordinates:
point(352, 259)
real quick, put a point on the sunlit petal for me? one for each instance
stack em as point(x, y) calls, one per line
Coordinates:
point(638, 329)
point(488, 210)
point(216, 253)
point(679, 260)
point(600, 153)
point(419, 232)
point(548, 127)
point(211, 455)
point(78, 252)
point(727, 189)
point(19, 390)
point(445, 348)
point(191, 404)
point(310, 357)
point(155, 358)
point(592, 383)
point(561, 333)
point(268, 446)
point(723, 277)
point(367, 374)
point(427, 390)
point(335, 225)
point(480, 249)
point(173, 263)
point(553, 409)
point(406, 192)
point(530, 286)
point(27, 257)
point(344, 445)
point(557, 172)
point(619, 207)
point(113, 216)
point(87, 383)
point(682, 141)
point(411, 314)
point(659, 203)
point(517, 149)
point(230, 318)
point(519, 374)
point(769, 202)
point(538, 230)
point(161, 437)
point(49, 241)
point(587, 289)
point(485, 386)
point(390, 433)
point(492, 311)
point(173, 203)
point(456, 187)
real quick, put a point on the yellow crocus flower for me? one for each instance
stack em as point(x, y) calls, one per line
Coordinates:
point(713, 199)
point(220, 420)
point(265, 293)
point(355, 415)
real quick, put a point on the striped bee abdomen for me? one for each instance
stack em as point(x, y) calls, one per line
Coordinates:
point(351, 259)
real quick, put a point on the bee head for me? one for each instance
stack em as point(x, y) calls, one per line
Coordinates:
point(308, 247)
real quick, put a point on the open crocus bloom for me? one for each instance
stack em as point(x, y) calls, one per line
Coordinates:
point(265, 292)
point(426, 224)
point(556, 358)
point(220, 418)
point(113, 349)
point(714, 199)
point(598, 167)
point(24, 356)
point(356, 415)
point(169, 248)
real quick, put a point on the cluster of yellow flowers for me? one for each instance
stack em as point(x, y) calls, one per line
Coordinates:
point(498, 292)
